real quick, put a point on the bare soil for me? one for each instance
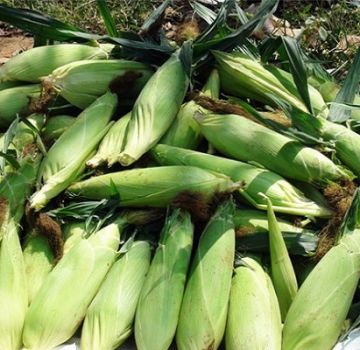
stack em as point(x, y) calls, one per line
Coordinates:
point(12, 42)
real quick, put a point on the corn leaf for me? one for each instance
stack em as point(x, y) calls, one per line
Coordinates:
point(298, 69)
point(347, 93)
point(155, 17)
point(203, 12)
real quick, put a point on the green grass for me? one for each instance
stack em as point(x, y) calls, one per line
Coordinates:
point(326, 23)
point(128, 14)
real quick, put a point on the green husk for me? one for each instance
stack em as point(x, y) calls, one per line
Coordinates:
point(10, 84)
point(346, 141)
point(159, 305)
point(82, 82)
point(15, 101)
point(56, 126)
point(154, 187)
point(155, 109)
point(252, 228)
point(26, 135)
point(38, 260)
point(77, 142)
point(244, 77)
point(109, 319)
point(37, 62)
point(245, 140)
point(257, 181)
point(16, 186)
point(61, 303)
point(73, 233)
point(330, 89)
point(282, 271)
point(205, 304)
point(184, 131)
point(254, 320)
point(13, 291)
point(111, 145)
point(325, 297)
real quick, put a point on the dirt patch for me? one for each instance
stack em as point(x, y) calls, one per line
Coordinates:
point(11, 46)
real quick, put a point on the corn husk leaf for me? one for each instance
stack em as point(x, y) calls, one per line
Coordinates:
point(37, 62)
point(204, 310)
point(82, 82)
point(159, 305)
point(61, 303)
point(184, 132)
point(57, 171)
point(155, 109)
point(109, 319)
point(252, 298)
point(282, 271)
point(243, 139)
point(257, 181)
point(15, 101)
point(13, 291)
point(325, 296)
point(38, 260)
point(155, 187)
point(252, 229)
point(56, 126)
point(111, 145)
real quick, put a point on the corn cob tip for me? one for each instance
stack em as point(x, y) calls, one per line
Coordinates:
point(125, 159)
point(95, 162)
point(38, 201)
point(199, 117)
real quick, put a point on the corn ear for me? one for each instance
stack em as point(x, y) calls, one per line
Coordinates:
point(61, 303)
point(154, 187)
point(56, 171)
point(38, 260)
point(254, 316)
point(243, 139)
point(159, 305)
point(282, 271)
point(285, 78)
point(155, 109)
point(205, 304)
point(257, 181)
point(25, 136)
point(73, 232)
point(244, 77)
point(325, 296)
point(111, 145)
point(15, 101)
point(252, 228)
point(346, 141)
point(109, 319)
point(82, 82)
point(212, 86)
point(56, 126)
point(13, 300)
point(37, 62)
point(184, 131)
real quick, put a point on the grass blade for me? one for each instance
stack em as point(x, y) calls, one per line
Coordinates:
point(107, 17)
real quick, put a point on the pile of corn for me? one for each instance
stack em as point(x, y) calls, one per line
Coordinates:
point(215, 220)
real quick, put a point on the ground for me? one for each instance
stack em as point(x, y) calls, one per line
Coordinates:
point(328, 29)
